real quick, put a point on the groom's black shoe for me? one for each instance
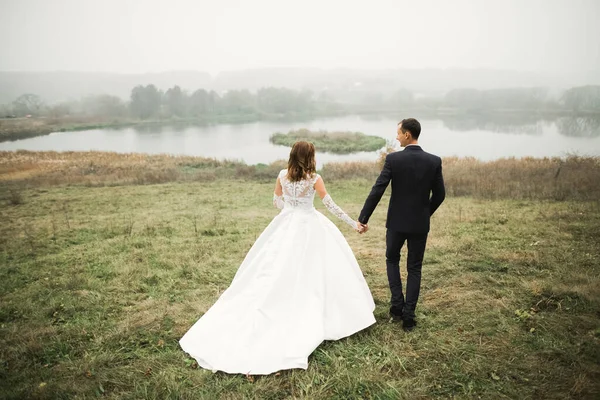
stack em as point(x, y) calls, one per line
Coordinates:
point(396, 314)
point(408, 324)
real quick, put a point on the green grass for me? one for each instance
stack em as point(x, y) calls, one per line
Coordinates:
point(97, 285)
point(331, 142)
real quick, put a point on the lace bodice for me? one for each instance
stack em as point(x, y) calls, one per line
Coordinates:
point(299, 194)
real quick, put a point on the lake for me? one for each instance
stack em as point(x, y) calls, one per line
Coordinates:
point(479, 137)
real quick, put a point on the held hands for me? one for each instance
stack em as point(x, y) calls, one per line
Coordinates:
point(362, 228)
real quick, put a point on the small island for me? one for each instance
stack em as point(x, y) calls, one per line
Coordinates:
point(331, 142)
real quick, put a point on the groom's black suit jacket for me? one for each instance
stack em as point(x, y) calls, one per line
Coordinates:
point(415, 175)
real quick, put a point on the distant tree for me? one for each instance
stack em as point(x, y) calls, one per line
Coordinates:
point(238, 102)
point(6, 110)
point(103, 106)
point(325, 102)
point(145, 101)
point(59, 110)
point(28, 104)
point(176, 101)
point(282, 101)
point(582, 98)
point(214, 102)
point(199, 103)
point(273, 100)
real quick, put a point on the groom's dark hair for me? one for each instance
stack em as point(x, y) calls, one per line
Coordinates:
point(411, 125)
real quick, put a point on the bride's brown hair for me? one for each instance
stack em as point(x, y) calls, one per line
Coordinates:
point(302, 161)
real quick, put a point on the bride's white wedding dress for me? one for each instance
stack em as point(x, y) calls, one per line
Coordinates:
point(299, 284)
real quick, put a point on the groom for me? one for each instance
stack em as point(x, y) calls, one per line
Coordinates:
point(415, 175)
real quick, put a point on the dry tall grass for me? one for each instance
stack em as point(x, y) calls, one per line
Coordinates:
point(574, 177)
point(571, 178)
point(37, 169)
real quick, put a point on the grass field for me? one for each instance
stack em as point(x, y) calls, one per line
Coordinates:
point(102, 272)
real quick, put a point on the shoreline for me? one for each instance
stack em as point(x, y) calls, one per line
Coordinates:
point(13, 129)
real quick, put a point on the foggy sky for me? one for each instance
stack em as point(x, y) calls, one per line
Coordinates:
point(137, 36)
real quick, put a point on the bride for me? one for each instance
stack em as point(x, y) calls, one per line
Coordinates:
point(299, 284)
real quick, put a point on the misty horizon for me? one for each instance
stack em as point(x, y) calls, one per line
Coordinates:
point(215, 74)
point(588, 77)
point(555, 38)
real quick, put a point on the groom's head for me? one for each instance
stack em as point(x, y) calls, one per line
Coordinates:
point(408, 131)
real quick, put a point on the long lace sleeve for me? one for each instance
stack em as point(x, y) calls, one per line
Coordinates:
point(278, 201)
point(338, 212)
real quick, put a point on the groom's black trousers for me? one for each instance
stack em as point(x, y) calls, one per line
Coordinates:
point(416, 249)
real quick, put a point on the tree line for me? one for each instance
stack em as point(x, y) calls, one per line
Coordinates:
point(149, 102)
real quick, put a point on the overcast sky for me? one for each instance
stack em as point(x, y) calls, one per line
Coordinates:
point(155, 35)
